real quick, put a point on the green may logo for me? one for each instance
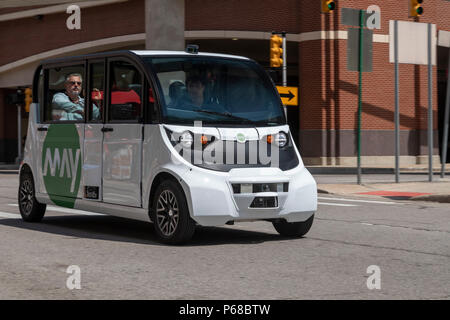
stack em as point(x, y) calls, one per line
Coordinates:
point(67, 165)
point(61, 164)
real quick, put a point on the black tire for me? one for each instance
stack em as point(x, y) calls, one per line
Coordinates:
point(170, 214)
point(293, 229)
point(30, 209)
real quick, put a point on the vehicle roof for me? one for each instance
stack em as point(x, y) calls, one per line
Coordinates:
point(139, 53)
point(183, 53)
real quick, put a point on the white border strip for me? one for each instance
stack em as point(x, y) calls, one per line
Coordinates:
point(65, 210)
point(355, 200)
point(257, 35)
point(106, 43)
point(54, 9)
point(139, 38)
point(7, 215)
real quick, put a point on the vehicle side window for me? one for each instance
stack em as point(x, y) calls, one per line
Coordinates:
point(65, 94)
point(125, 89)
point(96, 91)
point(152, 109)
point(40, 90)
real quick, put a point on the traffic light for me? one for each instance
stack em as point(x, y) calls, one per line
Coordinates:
point(328, 5)
point(415, 8)
point(28, 98)
point(276, 51)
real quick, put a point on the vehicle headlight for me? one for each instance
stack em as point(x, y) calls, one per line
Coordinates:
point(280, 139)
point(186, 139)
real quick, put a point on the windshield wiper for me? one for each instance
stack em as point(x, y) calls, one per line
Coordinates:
point(226, 114)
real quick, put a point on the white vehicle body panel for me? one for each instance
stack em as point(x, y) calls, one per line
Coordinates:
point(125, 162)
point(122, 161)
point(92, 158)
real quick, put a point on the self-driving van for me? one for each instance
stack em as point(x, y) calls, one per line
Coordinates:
point(178, 139)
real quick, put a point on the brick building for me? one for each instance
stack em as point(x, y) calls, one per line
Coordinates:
point(325, 121)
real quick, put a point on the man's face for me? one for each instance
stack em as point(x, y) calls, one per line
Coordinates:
point(195, 89)
point(73, 86)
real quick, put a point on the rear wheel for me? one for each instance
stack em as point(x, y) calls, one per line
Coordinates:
point(30, 209)
point(170, 214)
point(293, 229)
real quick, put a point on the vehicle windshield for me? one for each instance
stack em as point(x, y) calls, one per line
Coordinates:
point(216, 91)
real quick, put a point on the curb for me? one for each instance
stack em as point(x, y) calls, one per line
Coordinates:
point(9, 171)
point(348, 170)
point(353, 170)
point(4, 167)
point(442, 198)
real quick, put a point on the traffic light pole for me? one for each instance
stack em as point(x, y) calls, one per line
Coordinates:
point(284, 60)
point(430, 108)
point(361, 30)
point(19, 133)
point(397, 106)
point(284, 67)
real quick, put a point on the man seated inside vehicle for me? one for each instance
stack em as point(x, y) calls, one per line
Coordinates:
point(69, 105)
point(195, 100)
point(176, 94)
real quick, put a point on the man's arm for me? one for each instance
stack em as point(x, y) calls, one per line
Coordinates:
point(95, 112)
point(62, 101)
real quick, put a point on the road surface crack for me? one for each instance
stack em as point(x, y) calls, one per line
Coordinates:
point(380, 247)
point(384, 225)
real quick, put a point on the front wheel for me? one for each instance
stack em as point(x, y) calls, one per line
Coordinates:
point(30, 209)
point(293, 229)
point(170, 214)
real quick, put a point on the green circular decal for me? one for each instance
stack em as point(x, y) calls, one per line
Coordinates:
point(61, 164)
point(240, 137)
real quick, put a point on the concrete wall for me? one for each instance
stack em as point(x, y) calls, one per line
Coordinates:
point(164, 24)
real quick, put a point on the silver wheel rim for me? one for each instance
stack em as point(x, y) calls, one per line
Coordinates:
point(167, 213)
point(26, 196)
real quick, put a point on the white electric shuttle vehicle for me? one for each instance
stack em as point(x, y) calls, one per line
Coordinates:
point(178, 139)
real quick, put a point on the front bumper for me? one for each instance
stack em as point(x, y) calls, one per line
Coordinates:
point(213, 202)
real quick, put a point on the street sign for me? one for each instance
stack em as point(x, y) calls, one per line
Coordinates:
point(350, 17)
point(289, 95)
point(412, 42)
point(353, 50)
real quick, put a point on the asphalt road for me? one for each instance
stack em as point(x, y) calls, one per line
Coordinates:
point(409, 243)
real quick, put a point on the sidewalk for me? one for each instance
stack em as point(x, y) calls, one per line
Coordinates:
point(413, 185)
point(9, 168)
point(411, 169)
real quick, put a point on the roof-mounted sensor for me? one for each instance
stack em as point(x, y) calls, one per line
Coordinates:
point(192, 48)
